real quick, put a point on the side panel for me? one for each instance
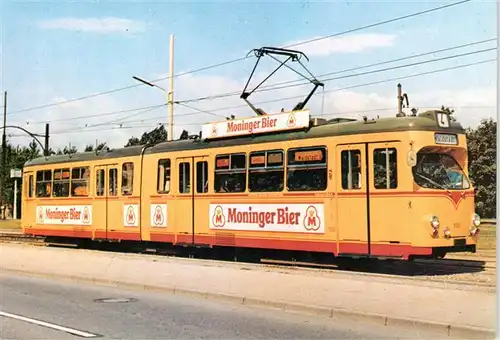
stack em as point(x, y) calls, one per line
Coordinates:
point(352, 199)
point(158, 201)
point(100, 204)
point(389, 201)
point(203, 176)
point(183, 212)
point(28, 209)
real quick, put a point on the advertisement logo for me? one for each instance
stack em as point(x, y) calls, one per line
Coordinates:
point(218, 219)
point(158, 216)
point(130, 215)
point(312, 220)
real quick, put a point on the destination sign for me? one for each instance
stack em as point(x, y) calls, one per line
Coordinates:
point(257, 125)
point(445, 138)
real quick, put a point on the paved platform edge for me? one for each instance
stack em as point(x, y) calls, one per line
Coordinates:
point(329, 312)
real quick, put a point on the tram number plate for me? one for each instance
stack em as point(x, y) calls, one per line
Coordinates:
point(445, 138)
point(459, 242)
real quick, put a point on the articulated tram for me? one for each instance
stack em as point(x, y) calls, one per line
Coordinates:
point(393, 187)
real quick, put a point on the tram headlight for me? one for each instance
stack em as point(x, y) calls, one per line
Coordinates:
point(447, 232)
point(435, 222)
point(476, 220)
point(435, 226)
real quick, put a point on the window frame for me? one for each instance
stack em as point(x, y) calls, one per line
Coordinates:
point(100, 177)
point(204, 177)
point(266, 168)
point(350, 168)
point(125, 177)
point(81, 179)
point(43, 181)
point(61, 181)
point(387, 179)
point(230, 171)
point(166, 177)
point(113, 185)
point(308, 166)
point(182, 178)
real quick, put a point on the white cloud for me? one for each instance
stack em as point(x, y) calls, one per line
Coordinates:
point(95, 25)
point(345, 44)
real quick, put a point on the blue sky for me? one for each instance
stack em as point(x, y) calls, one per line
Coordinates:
point(53, 51)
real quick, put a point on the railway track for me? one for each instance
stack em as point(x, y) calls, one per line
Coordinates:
point(466, 270)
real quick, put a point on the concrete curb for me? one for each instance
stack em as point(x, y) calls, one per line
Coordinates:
point(460, 331)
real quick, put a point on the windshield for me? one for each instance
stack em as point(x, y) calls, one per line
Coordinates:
point(439, 171)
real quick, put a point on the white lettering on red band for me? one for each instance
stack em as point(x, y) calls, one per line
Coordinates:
point(255, 125)
point(301, 218)
point(64, 215)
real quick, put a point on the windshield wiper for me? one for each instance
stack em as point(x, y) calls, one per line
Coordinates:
point(434, 183)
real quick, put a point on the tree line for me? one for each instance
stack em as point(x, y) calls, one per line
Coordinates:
point(481, 143)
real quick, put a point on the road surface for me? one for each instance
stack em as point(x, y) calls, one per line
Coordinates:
point(32, 308)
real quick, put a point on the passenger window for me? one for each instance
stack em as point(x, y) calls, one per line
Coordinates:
point(100, 182)
point(113, 182)
point(307, 169)
point(80, 181)
point(163, 186)
point(61, 183)
point(184, 178)
point(127, 178)
point(351, 169)
point(230, 173)
point(266, 172)
point(202, 177)
point(30, 186)
point(43, 183)
point(385, 168)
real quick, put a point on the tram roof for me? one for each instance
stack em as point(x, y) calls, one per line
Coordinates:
point(330, 128)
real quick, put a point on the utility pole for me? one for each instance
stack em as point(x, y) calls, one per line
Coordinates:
point(3, 166)
point(170, 132)
point(46, 148)
point(400, 101)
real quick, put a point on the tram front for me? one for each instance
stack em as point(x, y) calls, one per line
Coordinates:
point(445, 209)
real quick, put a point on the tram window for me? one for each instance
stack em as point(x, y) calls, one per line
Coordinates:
point(351, 169)
point(184, 178)
point(30, 186)
point(61, 183)
point(230, 173)
point(307, 169)
point(385, 168)
point(113, 182)
point(80, 180)
point(127, 178)
point(163, 186)
point(43, 183)
point(266, 171)
point(100, 182)
point(202, 177)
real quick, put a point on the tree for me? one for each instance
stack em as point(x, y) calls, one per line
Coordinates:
point(157, 135)
point(481, 144)
point(100, 146)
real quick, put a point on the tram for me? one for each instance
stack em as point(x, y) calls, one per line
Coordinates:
point(289, 182)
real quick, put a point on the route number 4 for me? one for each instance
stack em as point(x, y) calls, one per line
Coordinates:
point(443, 120)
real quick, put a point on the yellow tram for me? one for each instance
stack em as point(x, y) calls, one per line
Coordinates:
point(391, 187)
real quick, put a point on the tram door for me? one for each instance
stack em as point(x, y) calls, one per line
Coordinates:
point(352, 199)
point(192, 179)
point(389, 211)
point(105, 215)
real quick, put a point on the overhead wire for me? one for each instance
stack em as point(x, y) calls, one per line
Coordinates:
point(384, 22)
point(334, 90)
point(275, 86)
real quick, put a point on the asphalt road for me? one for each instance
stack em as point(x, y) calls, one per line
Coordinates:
point(73, 311)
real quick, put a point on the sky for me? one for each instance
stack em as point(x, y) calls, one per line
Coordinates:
point(55, 51)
